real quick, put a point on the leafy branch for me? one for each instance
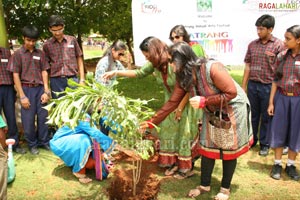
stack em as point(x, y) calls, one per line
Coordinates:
point(122, 114)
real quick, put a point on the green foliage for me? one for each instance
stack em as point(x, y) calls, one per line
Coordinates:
point(146, 87)
point(123, 114)
point(3, 33)
point(110, 18)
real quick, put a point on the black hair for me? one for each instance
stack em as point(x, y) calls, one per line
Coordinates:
point(158, 52)
point(56, 20)
point(267, 21)
point(180, 30)
point(186, 63)
point(295, 31)
point(31, 32)
point(116, 45)
point(144, 46)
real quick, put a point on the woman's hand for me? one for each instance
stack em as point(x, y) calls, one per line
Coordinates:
point(178, 113)
point(143, 126)
point(108, 75)
point(198, 102)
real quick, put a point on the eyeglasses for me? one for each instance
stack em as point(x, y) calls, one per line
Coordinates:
point(121, 54)
point(176, 37)
point(57, 31)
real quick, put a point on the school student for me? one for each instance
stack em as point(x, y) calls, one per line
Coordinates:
point(29, 68)
point(284, 104)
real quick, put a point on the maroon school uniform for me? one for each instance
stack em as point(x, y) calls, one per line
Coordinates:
point(262, 59)
point(62, 56)
point(284, 127)
point(7, 96)
point(29, 66)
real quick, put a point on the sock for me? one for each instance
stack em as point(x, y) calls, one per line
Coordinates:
point(277, 162)
point(290, 162)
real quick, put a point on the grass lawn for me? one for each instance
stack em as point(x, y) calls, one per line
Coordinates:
point(92, 52)
point(46, 177)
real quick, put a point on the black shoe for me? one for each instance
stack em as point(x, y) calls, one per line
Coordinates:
point(264, 151)
point(19, 150)
point(46, 147)
point(34, 151)
point(292, 172)
point(276, 171)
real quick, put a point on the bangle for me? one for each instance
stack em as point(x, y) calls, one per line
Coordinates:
point(82, 80)
point(22, 98)
point(150, 124)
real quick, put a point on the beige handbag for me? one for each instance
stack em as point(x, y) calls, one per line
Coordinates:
point(220, 128)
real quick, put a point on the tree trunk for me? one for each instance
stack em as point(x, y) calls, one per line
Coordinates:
point(3, 31)
point(129, 45)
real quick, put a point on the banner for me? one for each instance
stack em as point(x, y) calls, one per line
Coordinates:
point(223, 28)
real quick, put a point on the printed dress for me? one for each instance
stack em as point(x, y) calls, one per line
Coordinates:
point(239, 112)
point(175, 136)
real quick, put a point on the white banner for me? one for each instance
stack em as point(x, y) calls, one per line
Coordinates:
point(223, 28)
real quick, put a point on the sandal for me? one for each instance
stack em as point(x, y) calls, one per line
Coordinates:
point(199, 190)
point(182, 175)
point(223, 194)
point(171, 170)
point(82, 178)
point(78, 175)
point(85, 180)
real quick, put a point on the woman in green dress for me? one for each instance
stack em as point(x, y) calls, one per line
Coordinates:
point(176, 133)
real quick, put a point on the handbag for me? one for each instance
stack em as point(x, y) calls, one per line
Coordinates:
point(219, 127)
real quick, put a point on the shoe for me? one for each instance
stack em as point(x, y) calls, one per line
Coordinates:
point(46, 147)
point(19, 150)
point(276, 171)
point(285, 151)
point(292, 172)
point(264, 151)
point(34, 151)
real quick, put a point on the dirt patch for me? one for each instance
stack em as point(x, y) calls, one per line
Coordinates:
point(121, 185)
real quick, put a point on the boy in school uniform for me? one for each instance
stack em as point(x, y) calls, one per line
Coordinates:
point(7, 99)
point(30, 75)
point(64, 56)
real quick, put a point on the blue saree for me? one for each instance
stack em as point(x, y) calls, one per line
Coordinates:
point(74, 146)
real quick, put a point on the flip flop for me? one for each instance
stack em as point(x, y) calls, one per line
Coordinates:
point(223, 194)
point(198, 190)
point(171, 171)
point(78, 175)
point(85, 180)
point(182, 175)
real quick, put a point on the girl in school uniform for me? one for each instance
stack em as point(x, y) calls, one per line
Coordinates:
point(284, 105)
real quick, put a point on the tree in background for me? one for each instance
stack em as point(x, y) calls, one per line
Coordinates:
point(3, 33)
point(110, 18)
